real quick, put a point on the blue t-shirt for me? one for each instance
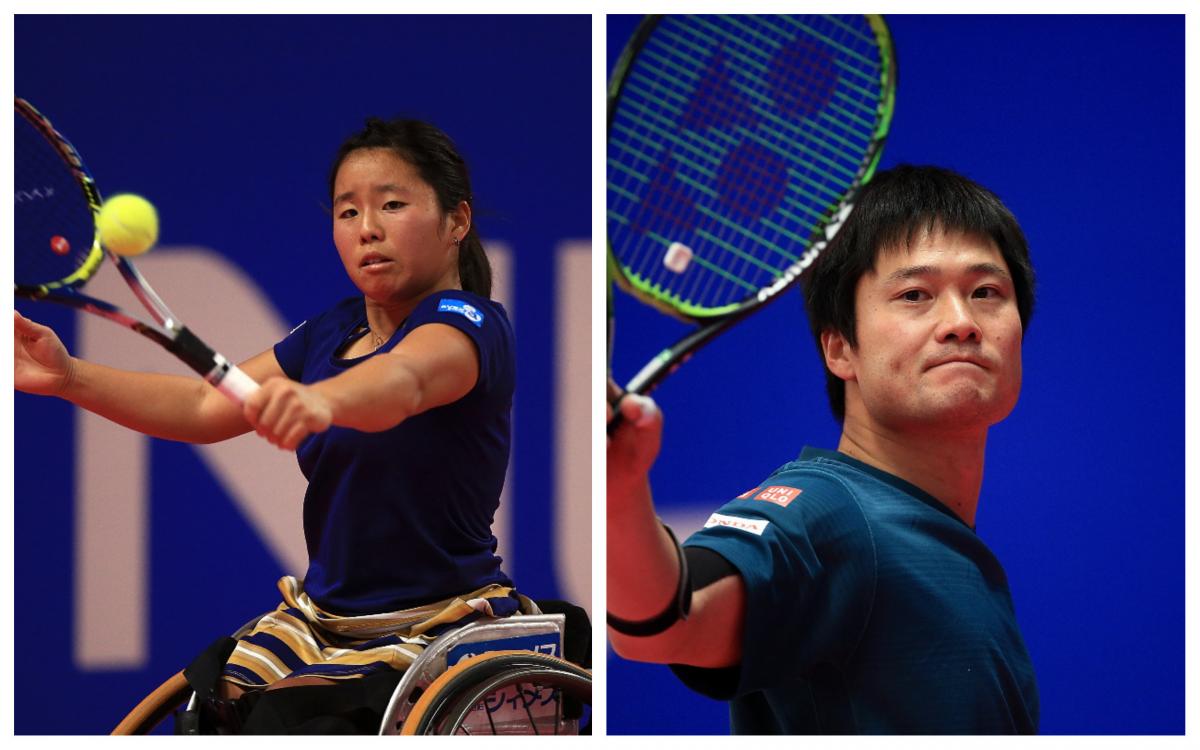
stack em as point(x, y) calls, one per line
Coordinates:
point(403, 517)
point(870, 608)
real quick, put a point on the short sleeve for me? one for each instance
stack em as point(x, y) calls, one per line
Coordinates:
point(804, 551)
point(484, 322)
point(292, 350)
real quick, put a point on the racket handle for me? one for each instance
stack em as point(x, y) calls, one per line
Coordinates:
point(614, 395)
point(236, 384)
point(614, 423)
point(649, 408)
point(218, 371)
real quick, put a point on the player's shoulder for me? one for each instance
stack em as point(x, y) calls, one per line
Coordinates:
point(459, 305)
point(812, 490)
point(816, 473)
point(802, 499)
point(483, 320)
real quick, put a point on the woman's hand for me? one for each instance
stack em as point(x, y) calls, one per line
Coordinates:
point(41, 364)
point(285, 412)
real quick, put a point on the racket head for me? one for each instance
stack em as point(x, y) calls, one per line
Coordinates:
point(742, 139)
point(57, 202)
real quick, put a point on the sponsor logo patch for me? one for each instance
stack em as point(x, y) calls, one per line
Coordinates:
point(543, 643)
point(746, 495)
point(751, 525)
point(781, 496)
point(468, 311)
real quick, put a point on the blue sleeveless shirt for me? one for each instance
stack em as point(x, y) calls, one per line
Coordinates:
point(403, 517)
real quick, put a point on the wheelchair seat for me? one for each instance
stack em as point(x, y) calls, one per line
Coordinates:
point(504, 676)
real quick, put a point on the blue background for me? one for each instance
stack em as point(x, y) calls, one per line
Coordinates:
point(1078, 125)
point(230, 124)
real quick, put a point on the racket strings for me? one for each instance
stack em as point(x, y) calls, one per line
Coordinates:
point(55, 234)
point(737, 137)
point(755, 159)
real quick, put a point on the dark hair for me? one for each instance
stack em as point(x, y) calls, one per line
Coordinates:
point(891, 211)
point(438, 162)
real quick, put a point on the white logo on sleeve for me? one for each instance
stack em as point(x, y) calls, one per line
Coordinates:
point(750, 525)
point(470, 312)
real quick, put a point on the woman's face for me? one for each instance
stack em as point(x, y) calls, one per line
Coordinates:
point(393, 238)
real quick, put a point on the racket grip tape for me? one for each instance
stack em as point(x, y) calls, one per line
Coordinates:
point(236, 384)
point(616, 420)
point(614, 396)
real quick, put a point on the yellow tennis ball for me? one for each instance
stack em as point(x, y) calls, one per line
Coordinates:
point(128, 224)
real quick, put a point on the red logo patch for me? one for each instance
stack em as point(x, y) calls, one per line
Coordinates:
point(746, 495)
point(781, 496)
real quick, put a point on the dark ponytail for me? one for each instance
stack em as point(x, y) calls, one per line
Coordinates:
point(438, 162)
point(474, 269)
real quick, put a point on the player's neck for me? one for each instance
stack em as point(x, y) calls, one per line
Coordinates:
point(383, 318)
point(949, 467)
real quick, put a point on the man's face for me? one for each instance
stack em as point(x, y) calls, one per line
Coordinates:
point(939, 337)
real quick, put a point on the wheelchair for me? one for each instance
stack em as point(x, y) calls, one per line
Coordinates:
point(496, 678)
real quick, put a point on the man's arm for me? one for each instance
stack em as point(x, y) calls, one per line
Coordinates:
point(643, 564)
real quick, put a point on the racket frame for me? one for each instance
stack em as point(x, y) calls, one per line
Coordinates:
point(714, 323)
point(167, 331)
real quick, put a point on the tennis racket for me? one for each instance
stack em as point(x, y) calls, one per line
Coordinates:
point(736, 147)
point(58, 249)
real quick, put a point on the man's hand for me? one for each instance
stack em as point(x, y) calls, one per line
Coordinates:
point(285, 412)
point(633, 446)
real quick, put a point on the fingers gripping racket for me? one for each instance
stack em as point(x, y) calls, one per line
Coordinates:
point(736, 147)
point(58, 249)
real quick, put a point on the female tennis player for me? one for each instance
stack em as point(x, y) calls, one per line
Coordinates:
point(397, 403)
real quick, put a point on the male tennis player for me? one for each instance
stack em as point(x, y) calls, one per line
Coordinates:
point(848, 591)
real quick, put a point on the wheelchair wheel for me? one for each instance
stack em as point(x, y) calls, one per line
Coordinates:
point(155, 707)
point(504, 692)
